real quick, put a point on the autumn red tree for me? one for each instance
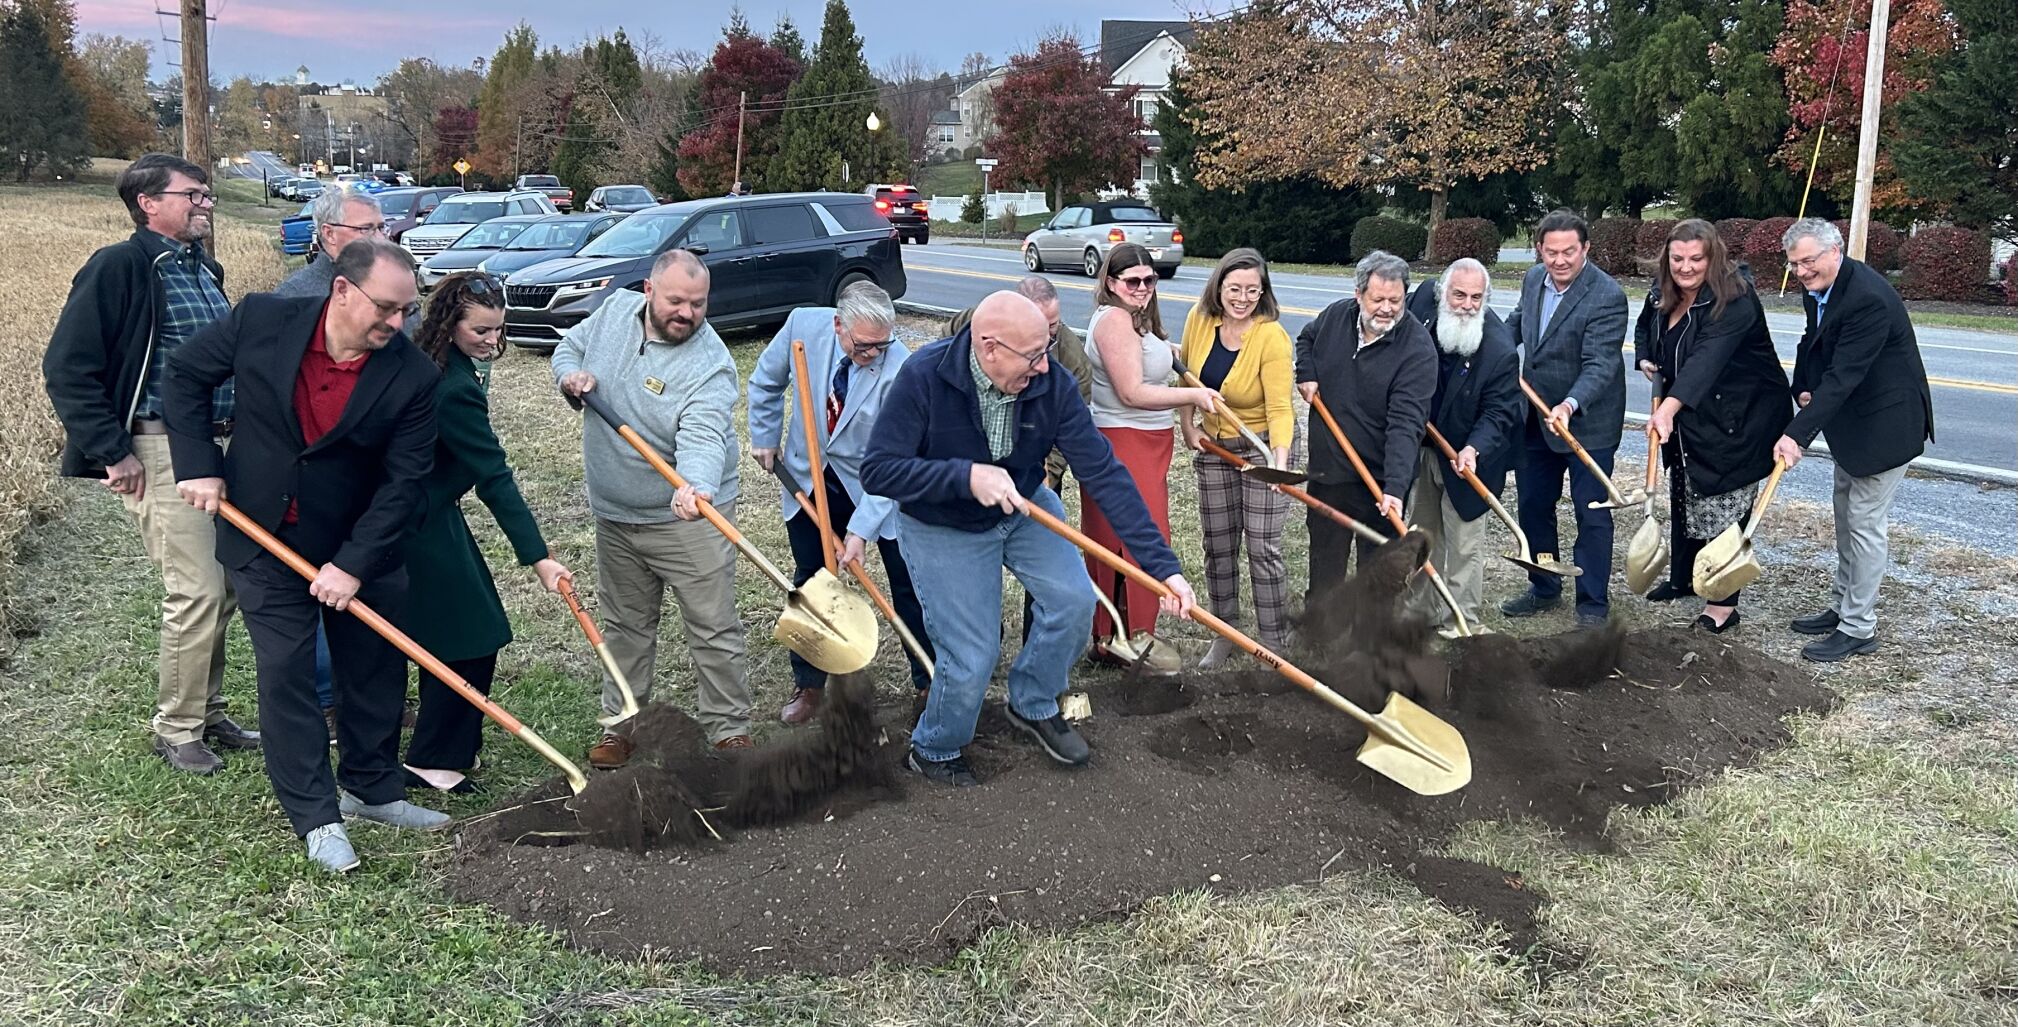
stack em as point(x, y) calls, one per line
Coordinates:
point(1058, 126)
point(1814, 48)
point(742, 63)
point(455, 134)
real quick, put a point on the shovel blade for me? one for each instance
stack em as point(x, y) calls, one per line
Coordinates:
point(1416, 749)
point(1646, 557)
point(828, 626)
point(1544, 563)
point(1719, 581)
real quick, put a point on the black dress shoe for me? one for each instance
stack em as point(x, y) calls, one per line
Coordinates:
point(1708, 624)
point(223, 733)
point(1816, 623)
point(1668, 591)
point(1058, 738)
point(188, 757)
point(1527, 604)
point(1838, 646)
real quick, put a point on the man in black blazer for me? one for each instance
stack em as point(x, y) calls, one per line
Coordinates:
point(1570, 326)
point(1477, 408)
point(1857, 377)
point(335, 432)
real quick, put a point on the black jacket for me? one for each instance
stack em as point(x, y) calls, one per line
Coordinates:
point(1380, 395)
point(360, 486)
point(97, 358)
point(1863, 366)
point(1478, 403)
point(1727, 376)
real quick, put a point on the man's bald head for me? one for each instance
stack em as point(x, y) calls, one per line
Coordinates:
point(1012, 340)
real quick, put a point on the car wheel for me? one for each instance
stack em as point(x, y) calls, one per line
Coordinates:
point(924, 238)
point(847, 280)
point(1091, 265)
point(1166, 272)
point(1033, 259)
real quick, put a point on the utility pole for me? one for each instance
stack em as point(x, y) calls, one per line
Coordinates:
point(1867, 133)
point(196, 84)
point(741, 97)
point(518, 146)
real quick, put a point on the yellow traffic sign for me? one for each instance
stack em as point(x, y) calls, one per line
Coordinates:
point(461, 166)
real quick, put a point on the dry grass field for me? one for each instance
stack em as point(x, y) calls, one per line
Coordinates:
point(1866, 875)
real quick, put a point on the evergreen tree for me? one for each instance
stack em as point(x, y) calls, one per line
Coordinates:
point(787, 39)
point(504, 101)
point(42, 115)
point(826, 143)
point(1959, 136)
point(974, 209)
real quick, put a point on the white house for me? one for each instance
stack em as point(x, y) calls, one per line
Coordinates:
point(1144, 54)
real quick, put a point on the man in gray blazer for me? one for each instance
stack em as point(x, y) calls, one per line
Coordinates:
point(852, 360)
point(1571, 327)
point(342, 216)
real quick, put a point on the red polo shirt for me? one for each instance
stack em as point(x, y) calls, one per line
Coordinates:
point(321, 389)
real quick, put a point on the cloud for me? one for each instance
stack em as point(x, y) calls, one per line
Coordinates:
point(353, 24)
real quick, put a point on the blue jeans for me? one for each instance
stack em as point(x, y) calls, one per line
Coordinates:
point(1541, 488)
point(325, 687)
point(962, 598)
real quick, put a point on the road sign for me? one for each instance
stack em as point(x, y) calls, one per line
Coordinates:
point(984, 163)
point(461, 166)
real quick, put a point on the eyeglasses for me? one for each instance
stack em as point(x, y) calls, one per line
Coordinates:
point(375, 228)
point(196, 197)
point(1241, 292)
point(386, 310)
point(1808, 263)
point(1031, 360)
point(1147, 281)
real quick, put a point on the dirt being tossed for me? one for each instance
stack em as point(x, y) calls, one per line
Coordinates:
point(1234, 781)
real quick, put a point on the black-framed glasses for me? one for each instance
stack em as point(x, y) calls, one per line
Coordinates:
point(1030, 359)
point(196, 197)
point(385, 310)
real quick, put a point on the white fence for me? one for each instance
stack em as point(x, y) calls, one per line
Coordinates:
point(947, 208)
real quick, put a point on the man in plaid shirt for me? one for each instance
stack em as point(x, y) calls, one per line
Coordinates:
point(130, 307)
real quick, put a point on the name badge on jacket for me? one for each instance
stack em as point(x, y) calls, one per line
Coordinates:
point(655, 386)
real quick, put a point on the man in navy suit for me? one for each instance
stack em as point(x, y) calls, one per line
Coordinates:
point(1570, 324)
point(1858, 377)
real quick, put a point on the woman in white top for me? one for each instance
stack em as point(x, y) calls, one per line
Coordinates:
point(1130, 360)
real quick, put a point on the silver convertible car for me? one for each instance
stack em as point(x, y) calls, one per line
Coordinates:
point(1081, 235)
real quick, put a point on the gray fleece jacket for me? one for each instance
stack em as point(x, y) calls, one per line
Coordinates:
point(680, 398)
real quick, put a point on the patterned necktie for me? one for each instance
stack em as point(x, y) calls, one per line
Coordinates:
point(837, 397)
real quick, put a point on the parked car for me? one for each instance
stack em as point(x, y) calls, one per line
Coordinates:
point(628, 199)
point(563, 197)
point(405, 208)
point(297, 231)
point(768, 255)
point(905, 208)
point(1082, 233)
point(463, 211)
point(364, 182)
point(475, 246)
point(275, 183)
point(302, 189)
point(561, 235)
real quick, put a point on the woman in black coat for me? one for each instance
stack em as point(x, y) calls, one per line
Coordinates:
point(1702, 339)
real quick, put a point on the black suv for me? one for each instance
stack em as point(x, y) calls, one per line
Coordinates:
point(768, 255)
point(906, 210)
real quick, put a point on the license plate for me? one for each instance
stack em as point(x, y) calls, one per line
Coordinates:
point(1156, 254)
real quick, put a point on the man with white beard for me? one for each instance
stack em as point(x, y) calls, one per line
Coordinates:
point(1375, 368)
point(1477, 408)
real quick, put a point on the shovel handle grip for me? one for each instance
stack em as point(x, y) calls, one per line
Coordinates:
point(589, 629)
point(1450, 454)
point(814, 459)
point(1301, 496)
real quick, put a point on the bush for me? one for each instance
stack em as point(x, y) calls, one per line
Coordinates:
point(1734, 232)
point(1404, 239)
point(1476, 238)
point(1650, 243)
point(1944, 263)
point(1764, 252)
point(2010, 279)
point(1008, 220)
point(1881, 244)
point(975, 209)
point(1612, 243)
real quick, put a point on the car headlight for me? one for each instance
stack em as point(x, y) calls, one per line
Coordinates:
point(582, 288)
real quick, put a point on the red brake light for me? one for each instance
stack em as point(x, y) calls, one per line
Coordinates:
point(1114, 235)
point(882, 206)
point(1176, 236)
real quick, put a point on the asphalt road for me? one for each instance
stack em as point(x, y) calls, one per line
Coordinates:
point(1973, 374)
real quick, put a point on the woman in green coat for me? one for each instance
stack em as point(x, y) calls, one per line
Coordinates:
point(453, 607)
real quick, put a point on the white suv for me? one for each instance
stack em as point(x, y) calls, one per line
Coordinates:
point(464, 211)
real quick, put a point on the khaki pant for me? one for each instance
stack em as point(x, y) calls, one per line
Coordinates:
point(1863, 545)
point(181, 542)
point(1454, 545)
point(634, 564)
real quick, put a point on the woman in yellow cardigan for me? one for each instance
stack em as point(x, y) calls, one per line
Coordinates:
point(1235, 343)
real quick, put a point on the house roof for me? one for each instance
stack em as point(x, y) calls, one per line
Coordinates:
point(1120, 40)
point(946, 117)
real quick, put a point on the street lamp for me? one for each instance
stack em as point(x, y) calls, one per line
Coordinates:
point(874, 122)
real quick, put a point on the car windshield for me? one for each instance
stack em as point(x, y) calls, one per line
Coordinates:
point(1132, 214)
point(490, 236)
point(395, 206)
point(635, 236)
point(626, 194)
point(536, 181)
point(467, 213)
point(551, 235)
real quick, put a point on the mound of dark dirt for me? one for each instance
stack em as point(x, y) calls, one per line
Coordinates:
point(1234, 782)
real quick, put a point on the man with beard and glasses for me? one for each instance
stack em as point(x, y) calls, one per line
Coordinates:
point(666, 374)
point(1477, 408)
point(1375, 369)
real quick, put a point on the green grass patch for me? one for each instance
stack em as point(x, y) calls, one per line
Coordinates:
point(957, 178)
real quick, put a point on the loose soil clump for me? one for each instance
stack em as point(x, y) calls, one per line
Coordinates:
point(832, 858)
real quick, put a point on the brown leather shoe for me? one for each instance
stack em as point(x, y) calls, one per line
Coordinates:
point(189, 757)
point(611, 752)
point(805, 703)
point(736, 742)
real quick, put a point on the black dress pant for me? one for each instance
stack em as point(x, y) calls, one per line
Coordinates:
point(369, 678)
point(1331, 543)
point(807, 560)
point(448, 730)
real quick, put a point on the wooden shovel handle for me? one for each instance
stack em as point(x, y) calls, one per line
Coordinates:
point(1253, 439)
point(1450, 454)
point(1759, 508)
point(589, 629)
point(856, 569)
point(813, 453)
point(1317, 404)
point(1563, 432)
point(1300, 496)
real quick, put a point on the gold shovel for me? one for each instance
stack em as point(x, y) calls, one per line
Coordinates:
point(1613, 500)
point(855, 568)
point(1727, 563)
point(1416, 748)
point(832, 628)
point(1647, 553)
point(1265, 472)
point(1545, 563)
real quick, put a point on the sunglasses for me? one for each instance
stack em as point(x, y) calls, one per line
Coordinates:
point(1147, 281)
point(483, 284)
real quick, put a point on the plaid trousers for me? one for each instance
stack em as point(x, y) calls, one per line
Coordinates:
point(1232, 506)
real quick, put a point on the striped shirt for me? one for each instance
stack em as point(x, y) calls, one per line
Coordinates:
point(998, 409)
point(194, 301)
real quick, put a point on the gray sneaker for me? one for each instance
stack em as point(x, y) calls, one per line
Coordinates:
point(189, 757)
point(397, 813)
point(329, 846)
